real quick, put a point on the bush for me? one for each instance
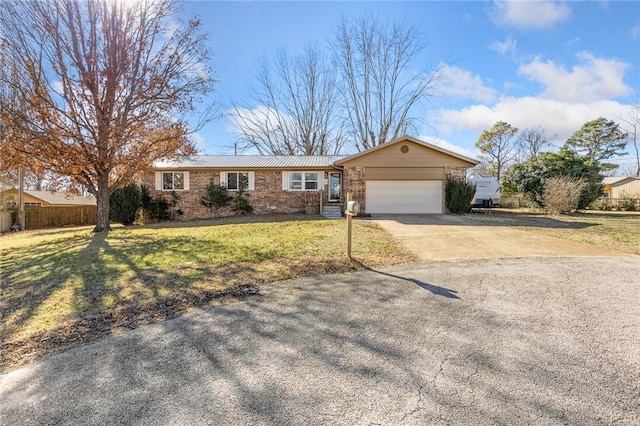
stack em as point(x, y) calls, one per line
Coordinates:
point(531, 177)
point(215, 197)
point(157, 207)
point(562, 194)
point(124, 204)
point(241, 204)
point(458, 195)
point(627, 203)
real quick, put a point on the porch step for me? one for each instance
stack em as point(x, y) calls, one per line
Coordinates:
point(332, 211)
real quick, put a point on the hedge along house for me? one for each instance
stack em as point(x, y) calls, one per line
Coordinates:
point(402, 176)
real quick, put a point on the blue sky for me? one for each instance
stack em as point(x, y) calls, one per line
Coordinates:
point(531, 63)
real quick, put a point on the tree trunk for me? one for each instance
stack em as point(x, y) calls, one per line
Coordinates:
point(102, 200)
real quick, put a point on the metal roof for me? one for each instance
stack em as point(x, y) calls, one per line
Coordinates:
point(248, 162)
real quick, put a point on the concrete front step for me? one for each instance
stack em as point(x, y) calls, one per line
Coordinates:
point(332, 212)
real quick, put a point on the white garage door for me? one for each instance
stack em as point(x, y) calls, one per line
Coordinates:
point(407, 196)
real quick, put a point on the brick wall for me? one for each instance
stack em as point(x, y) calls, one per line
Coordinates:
point(456, 172)
point(268, 196)
point(354, 183)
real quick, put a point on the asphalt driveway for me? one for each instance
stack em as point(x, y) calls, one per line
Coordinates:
point(515, 341)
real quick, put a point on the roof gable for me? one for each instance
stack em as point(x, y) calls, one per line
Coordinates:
point(61, 198)
point(424, 147)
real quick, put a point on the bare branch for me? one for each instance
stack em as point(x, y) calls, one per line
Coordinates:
point(380, 91)
point(104, 87)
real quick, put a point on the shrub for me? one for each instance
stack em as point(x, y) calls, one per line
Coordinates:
point(215, 197)
point(531, 177)
point(241, 204)
point(458, 195)
point(124, 204)
point(157, 207)
point(562, 194)
point(627, 203)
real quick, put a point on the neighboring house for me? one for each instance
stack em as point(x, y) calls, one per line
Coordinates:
point(402, 176)
point(49, 198)
point(621, 187)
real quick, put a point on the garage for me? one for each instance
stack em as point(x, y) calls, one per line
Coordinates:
point(410, 197)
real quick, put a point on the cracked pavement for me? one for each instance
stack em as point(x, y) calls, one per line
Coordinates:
point(507, 341)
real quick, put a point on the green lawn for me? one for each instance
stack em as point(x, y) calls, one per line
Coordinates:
point(66, 286)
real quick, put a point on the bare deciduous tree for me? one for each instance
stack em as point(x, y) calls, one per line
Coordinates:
point(105, 87)
point(293, 112)
point(531, 142)
point(632, 127)
point(380, 89)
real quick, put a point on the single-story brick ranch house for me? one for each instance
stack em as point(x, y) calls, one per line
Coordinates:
point(405, 175)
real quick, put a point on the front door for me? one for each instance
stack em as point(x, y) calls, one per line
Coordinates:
point(334, 186)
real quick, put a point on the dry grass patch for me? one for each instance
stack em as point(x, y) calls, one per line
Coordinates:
point(61, 287)
point(618, 231)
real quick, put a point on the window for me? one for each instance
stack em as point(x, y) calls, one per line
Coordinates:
point(237, 181)
point(173, 180)
point(302, 181)
point(33, 204)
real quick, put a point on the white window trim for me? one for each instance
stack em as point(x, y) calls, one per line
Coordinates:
point(250, 184)
point(159, 181)
point(319, 180)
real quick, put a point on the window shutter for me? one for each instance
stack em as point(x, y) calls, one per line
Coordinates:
point(223, 178)
point(158, 181)
point(186, 181)
point(252, 178)
point(285, 181)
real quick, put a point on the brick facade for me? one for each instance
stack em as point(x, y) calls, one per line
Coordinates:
point(268, 196)
point(354, 182)
point(459, 173)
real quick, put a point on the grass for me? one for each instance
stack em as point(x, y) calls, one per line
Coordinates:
point(60, 287)
point(618, 231)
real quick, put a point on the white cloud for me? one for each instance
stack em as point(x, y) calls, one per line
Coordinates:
point(556, 117)
point(593, 79)
point(198, 140)
point(530, 14)
point(507, 47)
point(635, 33)
point(462, 84)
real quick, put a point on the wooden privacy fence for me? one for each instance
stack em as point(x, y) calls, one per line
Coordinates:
point(57, 216)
